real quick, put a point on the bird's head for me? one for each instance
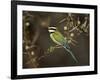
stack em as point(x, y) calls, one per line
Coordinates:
point(52, 29)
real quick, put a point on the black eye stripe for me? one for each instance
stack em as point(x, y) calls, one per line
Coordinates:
point(52, 29)
point(51, 32)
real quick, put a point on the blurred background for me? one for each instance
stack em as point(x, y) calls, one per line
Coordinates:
point(38, 48)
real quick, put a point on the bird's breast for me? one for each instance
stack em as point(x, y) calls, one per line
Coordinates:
point(54, 40)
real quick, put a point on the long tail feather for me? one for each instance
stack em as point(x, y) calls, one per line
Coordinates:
point(71, 54)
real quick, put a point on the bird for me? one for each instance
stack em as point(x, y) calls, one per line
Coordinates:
point(59, 39)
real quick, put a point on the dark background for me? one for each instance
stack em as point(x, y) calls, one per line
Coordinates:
point(36, 37)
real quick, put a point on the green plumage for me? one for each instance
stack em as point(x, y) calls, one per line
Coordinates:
point(59, 39)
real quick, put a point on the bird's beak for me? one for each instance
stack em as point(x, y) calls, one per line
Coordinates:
point(48, 28)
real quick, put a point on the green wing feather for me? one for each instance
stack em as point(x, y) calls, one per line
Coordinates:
point(57, 36)
point(60, 38)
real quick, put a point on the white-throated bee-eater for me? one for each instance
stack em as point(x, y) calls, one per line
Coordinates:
point(59, 39)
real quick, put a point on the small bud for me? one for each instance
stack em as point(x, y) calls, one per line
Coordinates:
point(72, 34)
point(27, 24)
point(65, 27)
point(32, 53)
point(69, 41)
point(78, 22)
point(27, 47)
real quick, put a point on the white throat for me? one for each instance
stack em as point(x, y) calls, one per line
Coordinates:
point(51, 31)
